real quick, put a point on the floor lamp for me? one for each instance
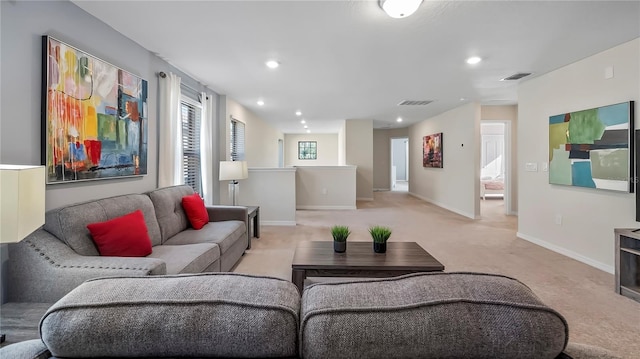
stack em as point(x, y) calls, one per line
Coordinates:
point(233, 171)
point(21, 203)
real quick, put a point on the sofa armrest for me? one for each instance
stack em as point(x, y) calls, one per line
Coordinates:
point(227, 213)
point(29, 349)
point(43, 269)
point(584, 351)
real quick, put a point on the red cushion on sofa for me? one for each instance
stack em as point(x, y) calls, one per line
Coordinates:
point(125, 236)
point(196, 212)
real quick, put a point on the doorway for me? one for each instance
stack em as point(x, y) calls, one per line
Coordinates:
point(400, 164)
point(494, 167)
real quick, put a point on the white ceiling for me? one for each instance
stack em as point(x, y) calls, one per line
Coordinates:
point(349, 60)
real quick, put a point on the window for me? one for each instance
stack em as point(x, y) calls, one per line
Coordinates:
point(191, 113)
point(307, 150)
point(237, 140)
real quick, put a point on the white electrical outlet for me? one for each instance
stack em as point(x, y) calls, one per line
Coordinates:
point(545, 167)
point(558, 219)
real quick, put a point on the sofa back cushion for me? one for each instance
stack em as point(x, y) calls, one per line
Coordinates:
point(212, 315)
point(170, 214)
point(69, 223)
point(436, 315)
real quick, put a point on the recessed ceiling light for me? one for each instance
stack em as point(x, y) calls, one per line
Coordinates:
point(260, 102)
point(473, 60)
point(303, 121)
point(399, 8)
point(308, 131)
point(399, 119)
point(298, 113)
point(462, 98)
point(305, 126)
point(272, 64)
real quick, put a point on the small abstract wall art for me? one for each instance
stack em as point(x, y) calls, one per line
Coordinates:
point(432, 150)
point(94, 117)
point(593, 148)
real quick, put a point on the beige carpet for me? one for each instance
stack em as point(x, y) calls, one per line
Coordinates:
point(582, 294)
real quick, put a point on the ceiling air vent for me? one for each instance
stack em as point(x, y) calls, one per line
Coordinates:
point(415, 103)
point(517, 76)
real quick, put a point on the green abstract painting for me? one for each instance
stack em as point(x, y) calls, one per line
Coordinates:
point(593, 148)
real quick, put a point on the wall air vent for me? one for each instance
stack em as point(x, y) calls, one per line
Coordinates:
point(415, 103)
point(517, 76)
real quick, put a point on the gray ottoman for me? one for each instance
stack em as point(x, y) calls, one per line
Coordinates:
point(199, 315)
point(429, 315)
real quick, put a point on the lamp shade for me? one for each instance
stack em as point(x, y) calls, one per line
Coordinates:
point(22, 193)
point(399, 8)
point(233, 170)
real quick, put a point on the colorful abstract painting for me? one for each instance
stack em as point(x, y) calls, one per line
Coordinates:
point(432, 150)
point(95, 122)
point(591, 148)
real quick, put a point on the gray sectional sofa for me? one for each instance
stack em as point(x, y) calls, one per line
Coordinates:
point(221, 315)
point(61, 255)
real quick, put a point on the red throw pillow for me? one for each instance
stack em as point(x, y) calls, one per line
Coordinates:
point(196, 212)
point(125, 236)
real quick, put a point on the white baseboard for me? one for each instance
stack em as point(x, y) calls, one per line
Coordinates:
point(364, 198)
point(566, 252)
point(325, 208)
point(454, 210)
point(381, 189)
point(277, 223)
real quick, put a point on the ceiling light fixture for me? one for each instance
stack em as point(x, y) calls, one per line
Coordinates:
point(260, 102)
point(399, 119)
point(308, 131)
point(473, 60)
point(398, 9)
point(305, 126)
point(298, 113)
point(272, 64)
point(303, 121)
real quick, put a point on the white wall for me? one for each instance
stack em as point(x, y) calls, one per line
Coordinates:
point(456, 185)
point(261, 140)
point(326, 187)
point(507, 114)
point(274, 190)
point(359, 152)
point(327, 149)
point(342, 144)
point(588, 215)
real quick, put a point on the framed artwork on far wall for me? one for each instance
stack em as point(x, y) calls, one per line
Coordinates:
point(94, 117)
point(432, 150)
point(593, 148)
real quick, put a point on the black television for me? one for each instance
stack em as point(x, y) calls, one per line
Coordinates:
point(635, 159)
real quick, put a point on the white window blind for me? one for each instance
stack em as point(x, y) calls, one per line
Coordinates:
point(237, 140)
point(191, 113)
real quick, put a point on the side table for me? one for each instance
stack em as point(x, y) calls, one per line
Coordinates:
point(253, 223)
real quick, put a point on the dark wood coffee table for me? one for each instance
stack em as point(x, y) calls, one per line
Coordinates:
point(317, 259)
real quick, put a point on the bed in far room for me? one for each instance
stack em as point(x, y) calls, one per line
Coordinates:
point(492, 186)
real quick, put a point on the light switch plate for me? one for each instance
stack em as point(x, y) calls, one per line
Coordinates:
point(531, 167)
point(608, 72)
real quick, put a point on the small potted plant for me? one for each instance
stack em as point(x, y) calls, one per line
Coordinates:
point(340, 234)
point(380, 235)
